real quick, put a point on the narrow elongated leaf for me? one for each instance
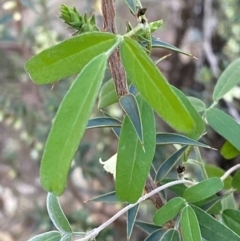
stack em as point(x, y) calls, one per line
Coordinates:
point(108, 198)
point(189, 225)
point(171, 235)
point(131, 217)
point(231, 218)
point(228, 151)
point(203, 190)
point(56, 214)
point(171, 138)
point(228, 79)
point(154, 88)
point(155, 235)
point(130, 106)
point(169, 164)
point(214, 171)
point(197, 104)
point(103, 122)
point(133, 163)
point(224, 125)
point(133, 5)
point(49, 236)
point(236, 181)
point(213, 230)
point(168, 211)
point(147, 227)
point(107, 95)
point(157, 43)
point(69, 125)
point(200, 126)
point(68, 57)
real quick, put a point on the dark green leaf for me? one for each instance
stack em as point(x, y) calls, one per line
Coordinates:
point(197, 104)
point(224, 125)
point(155, 235)
point(213, 230)
point(155, 89)
point(107, 95)
point(49, 236)
point(68, 57)
point(157, 43)
point(215, 171)
point(228, 151)
point(56, 214)
point(133, 5)
point(236, 181)
point(147, 227)
point(203, 190)
point(69, 125)
point(171, 138)
point(231, 218)
point(133, 163)
point(228, 79)
point(189, 225)
point(103, 122)
point(133, 90)
point(131, 217)
point(108, 198)
point(169, 211)
point(131, 108)
point(169, 164)
point(171, 235)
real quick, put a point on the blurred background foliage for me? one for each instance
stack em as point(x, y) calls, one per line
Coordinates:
point(209, 29)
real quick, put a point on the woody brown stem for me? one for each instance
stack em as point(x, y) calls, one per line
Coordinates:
point(119, 77)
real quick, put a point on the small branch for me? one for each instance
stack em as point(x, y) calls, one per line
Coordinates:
point(228, 172)
point(96, 231)
point(116, 66)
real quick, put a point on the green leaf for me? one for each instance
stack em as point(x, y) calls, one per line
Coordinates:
point(214, 171)
point(107, 95)
point(69, 125)
point(231, 218)
point(228, 151)
point(133, 163)
point(229, 202)
point(169, 164)
point(197, 104)
point(200, 126)
point(156, 235)
point(131, 217)
point(56, 214)
point(228, 79)
point(178, 189)
point(68, 57)
point(157, 43)
point(171, 235)
point(236, 181)
point(168, 211)
point(154, 87)
point(131, 108)
point(147, 227)
point(213, 230)
point(100, 122)
point(203, 190)
point(172, 138)
point(224, 125)
point(107, 197)
point(189, 225)
point(67, 237)
point(49, 236)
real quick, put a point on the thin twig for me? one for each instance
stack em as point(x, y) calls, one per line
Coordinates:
point(96, 231)
point(228, 172)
